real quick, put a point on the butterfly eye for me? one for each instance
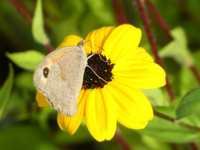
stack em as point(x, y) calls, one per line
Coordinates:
point(45, 72)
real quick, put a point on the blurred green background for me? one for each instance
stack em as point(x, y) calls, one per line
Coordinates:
point(24, 126)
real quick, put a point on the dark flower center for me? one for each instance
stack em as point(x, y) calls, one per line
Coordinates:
point(98, 72)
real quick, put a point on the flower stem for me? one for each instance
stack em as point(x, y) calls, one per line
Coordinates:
point(174, 120)
point(166, 28)
point(48, 47)
point(147, 27)
point(24, 12)
point(193, 146)
point(121, 141)
point(195, 72)
point(119, 12)
point(159, 19)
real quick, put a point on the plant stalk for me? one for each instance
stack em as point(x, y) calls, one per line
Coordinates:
point(195, 72)
point(166, 29)
point(174, 120)
point(119, 12)
point(121, 141)
point(151, 8)
point(23, 11)
point(147, 27)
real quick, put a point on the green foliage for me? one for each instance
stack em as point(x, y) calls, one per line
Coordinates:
point(30, 127)
point(178, 48)
point(188, 82)
point(38, 25)
point(190, 104)
point(169, 132)
point(24, 137)
point(27, 60)
point(24, 80)
point(140, 141)
point(5, 92)
point(156, 97)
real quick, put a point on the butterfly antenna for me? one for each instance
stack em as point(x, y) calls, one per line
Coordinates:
point(97, 74)
point(90, 56)
point(100, 57)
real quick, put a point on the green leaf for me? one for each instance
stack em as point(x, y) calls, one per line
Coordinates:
point(167, 110)
point(156, 96)
point(5, 91)
point(153, 143)
point(188, 82)
point(38, 25)
point(190, 104)
point(25, 137)
point(178, 48)
point(27, 60)
point(140, 141)
point(167, 131)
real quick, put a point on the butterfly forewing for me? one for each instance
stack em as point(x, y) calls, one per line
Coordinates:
point(65, 80)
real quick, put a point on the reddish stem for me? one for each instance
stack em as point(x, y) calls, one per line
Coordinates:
point(119, 12)
point(145, 18)
point(121, 141)
point(23, 11)
point(49, 47)
point(120, 18)
point(195, 72)
point(165, 27)
point(164, 116)
point(159, 19)
point(147, 27)
point(193, 146)
point(169, 89)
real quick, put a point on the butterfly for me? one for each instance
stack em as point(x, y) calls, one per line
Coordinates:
point(59, 77)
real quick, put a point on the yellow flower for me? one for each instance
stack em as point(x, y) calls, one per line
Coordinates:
point(114, 95)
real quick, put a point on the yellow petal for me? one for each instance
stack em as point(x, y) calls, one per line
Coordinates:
point(100, 115)
point(111, 108)
point(94, 40)
point(139, 71)
point(122, 42)
point(70, 40)
point(42, 101)
point(71, 124)
point(134, 109)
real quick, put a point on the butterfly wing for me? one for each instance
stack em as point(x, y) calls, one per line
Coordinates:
point(72, 66)
point(64, 84)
